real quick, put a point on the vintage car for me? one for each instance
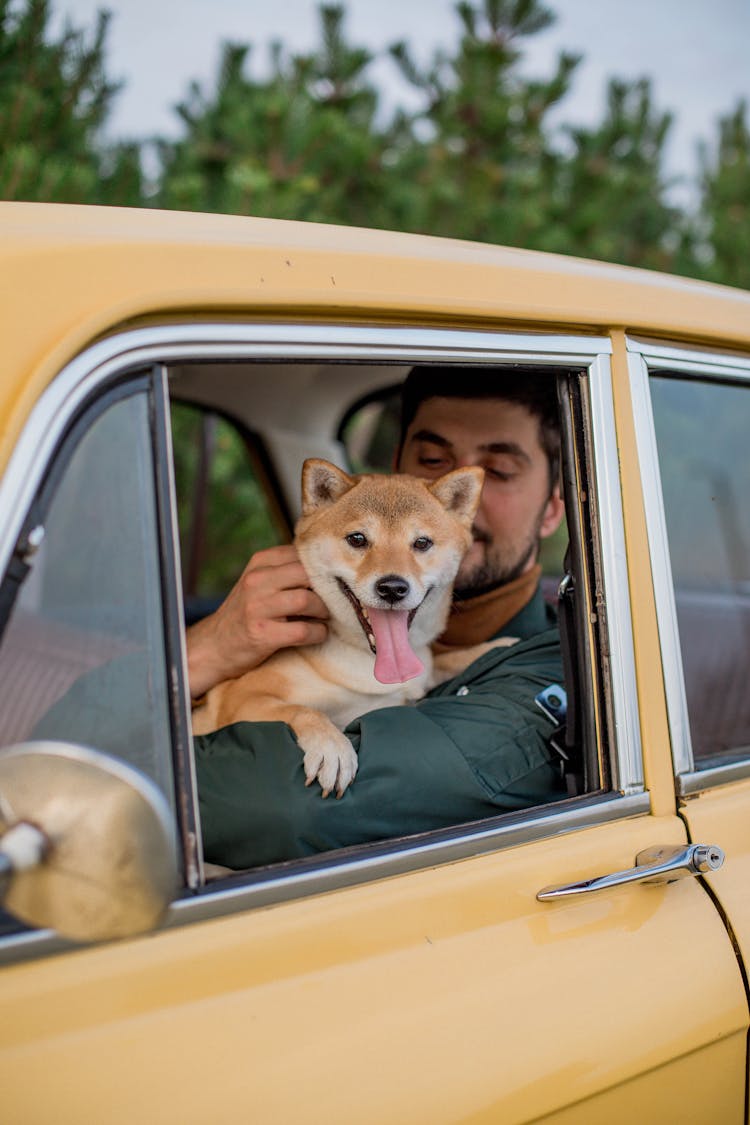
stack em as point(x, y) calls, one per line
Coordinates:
point(580, 961)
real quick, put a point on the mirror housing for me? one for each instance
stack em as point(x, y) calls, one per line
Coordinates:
point(105, 864)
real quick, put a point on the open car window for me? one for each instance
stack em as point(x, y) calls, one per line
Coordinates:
point(239, 434)
point(361, 433)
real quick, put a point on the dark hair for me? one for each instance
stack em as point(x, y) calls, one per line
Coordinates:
point(534, 389)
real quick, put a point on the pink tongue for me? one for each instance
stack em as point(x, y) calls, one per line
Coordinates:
point(395, 660)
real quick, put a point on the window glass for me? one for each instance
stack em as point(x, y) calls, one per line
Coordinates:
point(226, 511)
point(701, 432)
point(82, 658)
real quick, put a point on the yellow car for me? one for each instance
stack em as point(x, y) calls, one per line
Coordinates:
point(579, 961)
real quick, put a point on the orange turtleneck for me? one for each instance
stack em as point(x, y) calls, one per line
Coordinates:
point(478, 619)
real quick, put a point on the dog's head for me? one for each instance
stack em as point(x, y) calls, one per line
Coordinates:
point(382, 552)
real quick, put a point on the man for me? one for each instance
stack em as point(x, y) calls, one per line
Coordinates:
point(473, 747)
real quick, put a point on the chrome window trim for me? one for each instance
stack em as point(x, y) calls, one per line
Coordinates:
point(661, 566)
point(276, 885)
point(179, 690)
point(615, 579)
point(645, 357)
point(140, 348)
point(699, 780)
point(695, 360)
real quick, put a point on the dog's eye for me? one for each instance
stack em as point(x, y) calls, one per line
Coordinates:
point(357, 540)
point(422, 543)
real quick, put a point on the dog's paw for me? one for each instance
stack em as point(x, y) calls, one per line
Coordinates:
point(331, 761)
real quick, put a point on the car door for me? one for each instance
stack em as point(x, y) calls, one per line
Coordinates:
point(418, 980)
point(695, 407)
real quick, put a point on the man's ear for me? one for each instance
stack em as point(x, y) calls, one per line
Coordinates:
point(552, 515)
point(459, 492)
point(322, 484)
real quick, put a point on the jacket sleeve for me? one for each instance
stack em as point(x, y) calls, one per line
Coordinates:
point(475, 747)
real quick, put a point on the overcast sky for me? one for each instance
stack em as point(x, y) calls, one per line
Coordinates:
point(697, 52)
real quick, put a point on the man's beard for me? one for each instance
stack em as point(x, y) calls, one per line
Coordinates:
point(497, 570)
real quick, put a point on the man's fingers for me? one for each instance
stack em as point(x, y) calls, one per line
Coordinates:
point(262, 581)
point(289, 634)
point(273, 556)
point(298, 602)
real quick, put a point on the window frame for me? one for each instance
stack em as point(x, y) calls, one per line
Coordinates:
point(159, 346)
point(646, 358)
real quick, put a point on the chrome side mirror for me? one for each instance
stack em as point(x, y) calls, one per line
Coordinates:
point(87, 843)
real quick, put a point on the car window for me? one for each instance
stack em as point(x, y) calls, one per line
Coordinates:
point(225, 506)
point(701, 434)
point(368, 430)
point(82, 656)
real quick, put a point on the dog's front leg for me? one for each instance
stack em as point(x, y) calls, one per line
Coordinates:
point(329, 756)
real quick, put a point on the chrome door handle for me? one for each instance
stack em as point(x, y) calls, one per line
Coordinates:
point(654, 865)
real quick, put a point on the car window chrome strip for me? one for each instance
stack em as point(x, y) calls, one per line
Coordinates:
point(700, 780)
point(661, 566)
point(186, 795)
point(691, 360)
point(336, 871)
point(615, 578)
point(180, 342)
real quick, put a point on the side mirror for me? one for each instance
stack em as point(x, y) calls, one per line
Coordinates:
point(87, 843)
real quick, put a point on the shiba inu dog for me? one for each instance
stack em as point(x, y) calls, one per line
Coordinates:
point(382, 552)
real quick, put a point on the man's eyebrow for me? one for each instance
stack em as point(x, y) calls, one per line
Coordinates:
point(508, 447)
point(428, 435)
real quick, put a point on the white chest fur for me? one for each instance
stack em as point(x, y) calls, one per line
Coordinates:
point(342, 685)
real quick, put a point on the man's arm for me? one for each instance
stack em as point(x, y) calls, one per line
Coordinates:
point(270, 607)
point(457, 756)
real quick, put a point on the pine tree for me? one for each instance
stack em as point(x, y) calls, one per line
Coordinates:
point(723, 223)
point(54, 101)
point(611, 195)
point(486, 168)
point(302, 143)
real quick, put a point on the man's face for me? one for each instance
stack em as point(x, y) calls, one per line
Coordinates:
point(516, 509)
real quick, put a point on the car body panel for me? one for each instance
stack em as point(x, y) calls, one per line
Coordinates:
point(446, 992)
point(720, 814)
point(404, 999)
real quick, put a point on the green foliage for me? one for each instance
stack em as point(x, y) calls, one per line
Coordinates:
point(481, 154)
point(54, 99)
point(486, 169)
point(300, 144)
point(612, 190)
point(222, 509)
point(724, 221)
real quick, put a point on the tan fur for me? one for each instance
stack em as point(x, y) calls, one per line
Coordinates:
point(321, 688)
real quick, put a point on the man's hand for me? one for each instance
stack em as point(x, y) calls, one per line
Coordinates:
point(271, 606)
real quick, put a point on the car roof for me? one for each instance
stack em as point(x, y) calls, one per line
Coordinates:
point(73, 273)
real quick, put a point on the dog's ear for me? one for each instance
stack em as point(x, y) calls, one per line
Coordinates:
point(322, 484)
point(459, 492)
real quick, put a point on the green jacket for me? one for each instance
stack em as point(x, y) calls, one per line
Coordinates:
point(472, 748)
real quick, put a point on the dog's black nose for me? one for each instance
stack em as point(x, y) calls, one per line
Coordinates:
point(392, 588)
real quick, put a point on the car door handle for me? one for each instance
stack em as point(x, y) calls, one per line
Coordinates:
point(654, 865)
